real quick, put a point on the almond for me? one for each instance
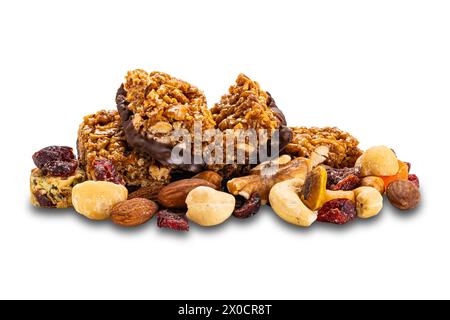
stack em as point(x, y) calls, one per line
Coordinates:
point(150, 192)
point(211, 176)
point(134, 212)
point(173, 196)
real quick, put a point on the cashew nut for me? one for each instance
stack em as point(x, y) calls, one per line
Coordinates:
point(287, 204)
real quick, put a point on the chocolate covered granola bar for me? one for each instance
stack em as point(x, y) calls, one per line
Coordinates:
point(153, 105)
point(101, 136)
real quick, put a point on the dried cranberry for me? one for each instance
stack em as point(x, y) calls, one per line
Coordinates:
point(53, 153)
point(334, 176)
point(56, 161)
point(248, 208)
point(104, 170)
point(338, 211)
point(171, 220)
point(60, 168)
point(414, 179)
point(350, 182)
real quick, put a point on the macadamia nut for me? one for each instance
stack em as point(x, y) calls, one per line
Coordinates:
point(208, 207)
point(378, 161)
point(94, 199)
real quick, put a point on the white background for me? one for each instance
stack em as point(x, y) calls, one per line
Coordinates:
point(379, 69)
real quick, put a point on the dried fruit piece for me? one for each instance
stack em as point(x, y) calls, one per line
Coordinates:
point(53, 153)
point(173, 196)
point(350, 182)
point(56, 161)
point(104, 170)
point(414, 179)
point(94, 199)
point(402, 174)
point(134, 212)
point(403, 194)
point(334, 176)
point(314, 192)
point(60, 168)
point(171, 220)
point(248, 208)
point(151, 192)
point(337, 211)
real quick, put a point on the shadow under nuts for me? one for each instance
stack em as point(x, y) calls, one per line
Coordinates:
point(173, 196)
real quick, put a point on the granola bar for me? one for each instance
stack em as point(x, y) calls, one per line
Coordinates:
point(53, 192)
point(247, 106)
point(101, 136)
point(153, 105)
point(343, 147)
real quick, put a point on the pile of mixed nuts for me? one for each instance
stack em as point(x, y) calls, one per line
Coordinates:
point(126, 171)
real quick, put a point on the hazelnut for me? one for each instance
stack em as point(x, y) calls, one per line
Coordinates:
point(403, 194)
point(369, 202)
point(374, 182)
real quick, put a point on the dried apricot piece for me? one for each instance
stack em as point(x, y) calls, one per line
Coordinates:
point(402, 174)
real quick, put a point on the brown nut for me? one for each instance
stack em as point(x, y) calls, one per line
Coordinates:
point(212, 177)
point(173, 196)
point(403, 194)
point(374, 182)
point(151, 192)
point(134, 212)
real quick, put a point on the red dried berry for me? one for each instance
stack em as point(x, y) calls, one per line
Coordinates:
point(104, 170)
point(247, 208)
point(53, 153)
point(334, 176)
point(414, 179)
point(350, 182)
point(56, 161)
point(60, 168)
point(338, 211)
point(171, 220)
